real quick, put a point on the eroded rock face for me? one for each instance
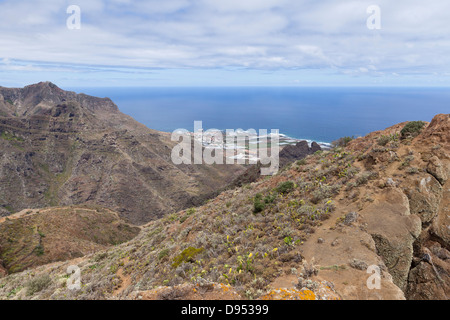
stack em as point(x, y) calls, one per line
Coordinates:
point(425, 198)
point(436, 169)
point(429, 279)
point(299, 151)
point(394, 231)
point(438, 130)
point(441, 224)
point(345, 264)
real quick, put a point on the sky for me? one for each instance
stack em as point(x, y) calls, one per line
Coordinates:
point(225, 43)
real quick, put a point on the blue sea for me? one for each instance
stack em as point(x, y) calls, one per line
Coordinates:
point(319, 114)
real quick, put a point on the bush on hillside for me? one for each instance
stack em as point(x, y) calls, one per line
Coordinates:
point(412, 129)
point(342, 142)
point(285, 187)
point(38, 284)
point(258, 204)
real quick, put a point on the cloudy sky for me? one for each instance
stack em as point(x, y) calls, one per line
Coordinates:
point(225, 43)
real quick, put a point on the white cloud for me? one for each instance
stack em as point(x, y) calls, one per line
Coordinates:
point(261, 34)
point(240, 6)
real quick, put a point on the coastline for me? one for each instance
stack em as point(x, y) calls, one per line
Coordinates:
point(244, 145)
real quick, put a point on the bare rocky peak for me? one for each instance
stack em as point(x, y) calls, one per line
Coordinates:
point(40, 97)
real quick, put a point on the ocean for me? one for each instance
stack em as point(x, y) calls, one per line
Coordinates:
point(315, 114)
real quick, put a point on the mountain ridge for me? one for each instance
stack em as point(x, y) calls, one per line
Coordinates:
point(63, 148)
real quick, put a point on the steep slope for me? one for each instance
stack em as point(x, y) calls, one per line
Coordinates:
point(318, 225)
point(36, 237)
point(63, 148)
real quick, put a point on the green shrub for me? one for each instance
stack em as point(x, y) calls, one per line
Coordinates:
point(342, 142)
point(270, 198)
point(285, 187)
point(288, 240)
point(10, 137)
point(163, 253)
point(38, 284)
point(189, 212)
point(39, 250)
point(383, 140)
point(258, 204)
point(187, 255)
point(364, 177)
point(324, 192)
point(412, 129)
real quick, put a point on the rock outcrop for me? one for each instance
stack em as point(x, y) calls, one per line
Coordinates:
point(299, 151)
point(425, 198)
point(394, 231)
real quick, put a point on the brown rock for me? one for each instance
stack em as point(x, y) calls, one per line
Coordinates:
point(441, 224)
point(429, 280)
point(394, 231)
point(437, 131)
point(291, 153)
point(437, 170)
point(425, 198)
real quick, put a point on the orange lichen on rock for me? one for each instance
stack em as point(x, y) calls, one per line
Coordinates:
point(289, 294)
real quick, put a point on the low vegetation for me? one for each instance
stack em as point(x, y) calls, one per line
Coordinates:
point(412, 129)
point(342, 142)
point(58, 234)
point(246, 237)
